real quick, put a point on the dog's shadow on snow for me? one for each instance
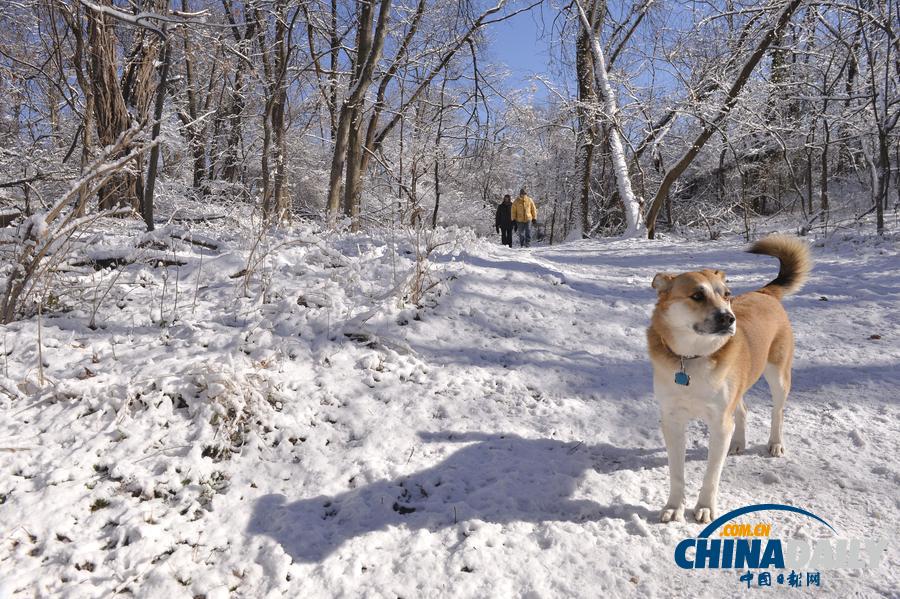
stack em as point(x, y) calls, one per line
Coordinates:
point(495, 478)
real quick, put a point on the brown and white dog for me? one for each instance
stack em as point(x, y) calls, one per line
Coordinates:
point(708, 348)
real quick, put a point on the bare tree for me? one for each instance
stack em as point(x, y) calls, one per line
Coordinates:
point(713, 124)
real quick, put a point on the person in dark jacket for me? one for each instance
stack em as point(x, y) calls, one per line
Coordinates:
point(503, 222)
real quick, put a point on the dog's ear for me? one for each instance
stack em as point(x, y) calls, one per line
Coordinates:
point(662, 282)
point(718, 274)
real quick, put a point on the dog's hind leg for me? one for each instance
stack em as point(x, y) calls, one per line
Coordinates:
point(739, 438)
point(720, 430)
point(779, 379)
point(673, 428)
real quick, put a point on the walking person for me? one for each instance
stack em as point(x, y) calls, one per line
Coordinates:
point(524, 215)
point(503, 221)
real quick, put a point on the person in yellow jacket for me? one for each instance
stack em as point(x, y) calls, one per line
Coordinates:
point(524, 215)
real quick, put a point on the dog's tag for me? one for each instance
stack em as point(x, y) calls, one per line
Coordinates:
point(682, 378)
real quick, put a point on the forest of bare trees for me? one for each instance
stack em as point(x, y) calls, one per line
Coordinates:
point(658, 113)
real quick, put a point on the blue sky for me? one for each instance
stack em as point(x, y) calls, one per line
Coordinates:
point(522, 43)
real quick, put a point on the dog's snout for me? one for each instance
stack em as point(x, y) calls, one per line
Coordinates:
point(725, 318)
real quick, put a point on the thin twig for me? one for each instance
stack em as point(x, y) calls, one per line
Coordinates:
point(156, 453)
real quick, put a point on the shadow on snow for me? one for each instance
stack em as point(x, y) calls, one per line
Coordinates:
point(496, 478)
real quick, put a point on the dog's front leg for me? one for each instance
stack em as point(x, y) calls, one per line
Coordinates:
point(720, 430)
point(673, 428)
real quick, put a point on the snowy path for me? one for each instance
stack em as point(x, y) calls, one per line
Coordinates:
point(503, 443)
point(538, 434)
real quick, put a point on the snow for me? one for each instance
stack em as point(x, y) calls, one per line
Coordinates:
point(35, 226)
point(299, 431)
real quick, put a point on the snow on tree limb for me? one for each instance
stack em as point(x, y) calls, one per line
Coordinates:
point(632, 205)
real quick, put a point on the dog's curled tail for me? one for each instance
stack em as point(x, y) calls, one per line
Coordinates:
point(793, 254)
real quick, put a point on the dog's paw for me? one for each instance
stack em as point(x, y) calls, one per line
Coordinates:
point(704, 514)
point(737, 446)
point(776, 450)
point(672, 514)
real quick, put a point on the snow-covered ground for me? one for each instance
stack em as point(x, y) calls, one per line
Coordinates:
point(295, 431)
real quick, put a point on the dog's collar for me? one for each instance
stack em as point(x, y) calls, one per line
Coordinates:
point(681, 376)
point(677, 355)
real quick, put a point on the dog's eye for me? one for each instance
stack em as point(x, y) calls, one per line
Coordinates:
point(698, 297)
point(727, 294)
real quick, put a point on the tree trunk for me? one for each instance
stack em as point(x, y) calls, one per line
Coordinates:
point(353, 181)
point(823, 176)
point(369, 48)
point(634, 223)
point(279, 191)
point(338, 156)
point(234, 114)
point(437, 155)
point(587, 128)
point(379, 104)
point(437, 194)
point(353, 176)
point(73, 20)
point(884, 178)
point(333, 65)
point(138, 75)
point(194, 131)
point(275, 57)
point(553, 220)
point(147, 207)
point(110, 112)
point(808, 207)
